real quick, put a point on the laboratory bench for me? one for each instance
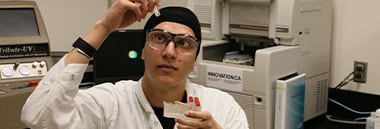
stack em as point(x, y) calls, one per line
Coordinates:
point(360, 102)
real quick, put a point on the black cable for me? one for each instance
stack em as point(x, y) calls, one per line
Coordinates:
point(344, 81)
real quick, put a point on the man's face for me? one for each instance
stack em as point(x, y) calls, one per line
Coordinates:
point(168, 66)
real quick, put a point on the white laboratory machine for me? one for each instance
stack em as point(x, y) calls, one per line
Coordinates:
point(209, 13)
point(24, 57)
point(269, 39)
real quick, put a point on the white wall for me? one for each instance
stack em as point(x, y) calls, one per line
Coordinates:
point(356, 34)
point(65, 20)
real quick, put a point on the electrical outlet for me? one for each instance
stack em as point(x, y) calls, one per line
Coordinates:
point(360, 72)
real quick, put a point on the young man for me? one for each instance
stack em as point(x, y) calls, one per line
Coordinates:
point(171, 48)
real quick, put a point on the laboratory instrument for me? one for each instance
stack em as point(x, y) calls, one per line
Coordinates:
point(24, 57)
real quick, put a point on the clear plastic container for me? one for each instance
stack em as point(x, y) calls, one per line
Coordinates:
point(373, 122)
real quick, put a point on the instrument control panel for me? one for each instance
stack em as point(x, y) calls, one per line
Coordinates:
point(23, 69)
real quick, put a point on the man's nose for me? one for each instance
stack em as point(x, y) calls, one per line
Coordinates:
point(170, 49)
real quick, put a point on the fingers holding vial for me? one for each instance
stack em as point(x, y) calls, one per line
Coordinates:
point(147, 6)
point(189, 115)
point(124, 13)
point(134, 10)
point(178, 109)
point(142, 7)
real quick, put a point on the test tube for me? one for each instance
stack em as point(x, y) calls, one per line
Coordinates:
point(191, 102)
point(197, 104)
point(156, 11)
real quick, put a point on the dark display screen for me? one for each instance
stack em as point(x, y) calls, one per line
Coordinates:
point(18, 22)
point(119, 57)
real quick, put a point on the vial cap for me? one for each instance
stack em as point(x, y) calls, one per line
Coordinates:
point(191, 99)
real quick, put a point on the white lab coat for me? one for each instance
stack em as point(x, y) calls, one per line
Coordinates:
point(57, 103)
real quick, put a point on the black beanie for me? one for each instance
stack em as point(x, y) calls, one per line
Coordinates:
point(180, 15)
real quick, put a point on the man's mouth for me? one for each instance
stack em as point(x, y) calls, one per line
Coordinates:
point(165, 66)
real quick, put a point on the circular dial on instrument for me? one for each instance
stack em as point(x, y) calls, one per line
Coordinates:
point(7, 71)
point(25, 70)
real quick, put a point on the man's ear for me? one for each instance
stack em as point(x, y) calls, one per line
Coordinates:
point(142, 53)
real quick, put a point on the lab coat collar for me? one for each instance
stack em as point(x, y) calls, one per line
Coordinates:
point(142, 98)
point(144, 101)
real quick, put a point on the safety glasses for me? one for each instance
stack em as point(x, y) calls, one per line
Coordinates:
point(158, 39)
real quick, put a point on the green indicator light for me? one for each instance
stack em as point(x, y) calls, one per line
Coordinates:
point(132, 54)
